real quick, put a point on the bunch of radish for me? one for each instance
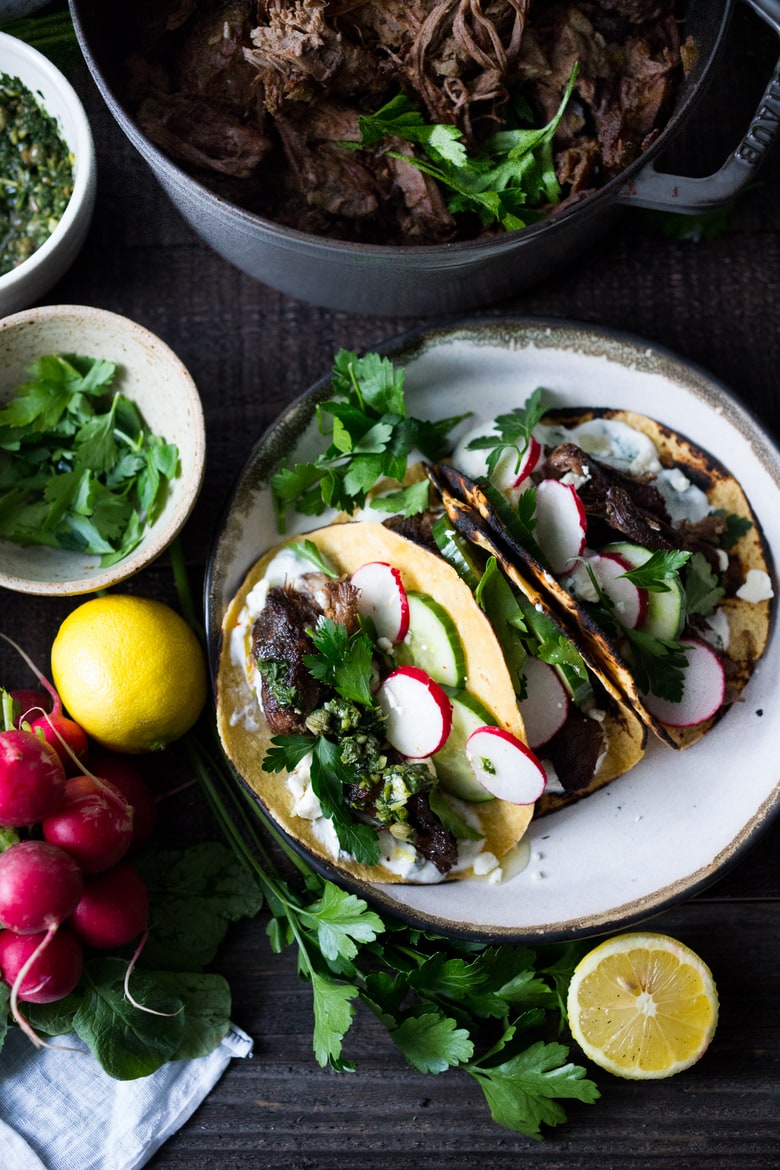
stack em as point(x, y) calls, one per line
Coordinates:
point(74, 815)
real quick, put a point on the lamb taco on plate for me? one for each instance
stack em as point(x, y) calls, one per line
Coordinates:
point(364, 697)
point(645, 547)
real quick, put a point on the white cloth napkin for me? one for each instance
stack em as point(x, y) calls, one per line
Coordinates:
point(60, 1111)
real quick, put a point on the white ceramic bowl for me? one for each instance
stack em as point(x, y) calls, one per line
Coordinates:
point(154, 378)
point(32, 279)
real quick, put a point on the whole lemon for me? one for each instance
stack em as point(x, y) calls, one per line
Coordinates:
point(130, 671)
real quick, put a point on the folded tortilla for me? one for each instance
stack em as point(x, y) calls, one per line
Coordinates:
point(246, 736)
point(749, 621)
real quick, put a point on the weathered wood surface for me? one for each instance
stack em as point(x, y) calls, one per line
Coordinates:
point(251, 351)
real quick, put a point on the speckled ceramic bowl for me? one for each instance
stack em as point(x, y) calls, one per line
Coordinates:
point(31, 280)
point(675, 822)
point(154, 378)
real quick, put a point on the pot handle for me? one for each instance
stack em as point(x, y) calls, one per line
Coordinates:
point(688, 196)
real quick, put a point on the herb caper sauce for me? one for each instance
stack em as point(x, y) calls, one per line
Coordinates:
point(36, 173)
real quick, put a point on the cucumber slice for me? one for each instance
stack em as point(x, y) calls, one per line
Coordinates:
point(457, 551)
point(665, 617)
point(432, 642)
point(452, 766)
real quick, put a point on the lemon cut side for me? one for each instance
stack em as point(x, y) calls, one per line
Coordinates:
point(642, 1006)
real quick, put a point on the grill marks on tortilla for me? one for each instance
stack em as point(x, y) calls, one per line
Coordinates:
point(464, 501)
point(586, 753)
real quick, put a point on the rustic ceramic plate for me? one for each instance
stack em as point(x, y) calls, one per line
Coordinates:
point(674, 823)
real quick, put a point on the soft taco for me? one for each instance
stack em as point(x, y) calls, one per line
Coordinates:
point(330, 711)
point(576, 719)
point(644, 546)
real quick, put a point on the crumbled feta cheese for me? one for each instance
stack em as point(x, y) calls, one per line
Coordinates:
point(756, 587)
point(484, 863)
point(717, 631)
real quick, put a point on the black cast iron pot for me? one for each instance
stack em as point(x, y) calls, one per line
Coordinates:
point(439, 279)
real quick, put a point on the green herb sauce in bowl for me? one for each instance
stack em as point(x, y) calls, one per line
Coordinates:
point(36, 173)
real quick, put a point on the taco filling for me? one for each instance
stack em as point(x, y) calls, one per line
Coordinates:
point(363, 695)
point(643, 545)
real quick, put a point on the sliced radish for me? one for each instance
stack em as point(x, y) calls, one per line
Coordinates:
point(546, 705)
point(630, 601)
point(418, 712)
point(510, 473)
point(560, 524)
point(505, 766)
point(383, 599)
point(704, 689)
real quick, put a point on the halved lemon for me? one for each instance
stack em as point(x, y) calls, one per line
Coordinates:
point(642, 1006)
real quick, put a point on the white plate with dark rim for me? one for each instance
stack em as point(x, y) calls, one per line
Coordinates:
point(674, 823)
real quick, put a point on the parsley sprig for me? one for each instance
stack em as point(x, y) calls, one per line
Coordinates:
point(508, 181)
point(371, 439)
point(494, 1012)
point(79, 469)
point(658, 664)
point(513, 432)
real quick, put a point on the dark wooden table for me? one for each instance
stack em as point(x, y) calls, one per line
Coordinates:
point(252, 350)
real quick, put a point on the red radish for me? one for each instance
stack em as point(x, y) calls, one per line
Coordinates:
point(629, 600)
point(560, 524)
point(704, 689)
point(125, 776)
point(383, 598)
point(95, 824)
point(511, 473)
point(53, 963)
point(32, 779)
point(546, 705)
point(419, 714)
point(30, 700)
point(505, 766)
point(113, 909)
point(39, 886)
point(65, 735)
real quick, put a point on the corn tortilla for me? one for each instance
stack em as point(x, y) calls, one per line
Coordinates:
point(246, 736)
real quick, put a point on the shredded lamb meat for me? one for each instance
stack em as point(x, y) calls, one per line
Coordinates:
point(257, 97)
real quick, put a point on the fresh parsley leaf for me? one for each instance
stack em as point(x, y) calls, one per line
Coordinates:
point(513, 432)
point(342, 921)
point(736, 527)
point(342, 660)
point(661, 566)
point(408, 501)
point(703, 591)
point(286, 752)
point(310, 552)
point(508, 181)
point(371, 439)
point(522, 1092)
point(432, 1041)
point(333, 1014)
point(657, 664)
point(329, 777)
